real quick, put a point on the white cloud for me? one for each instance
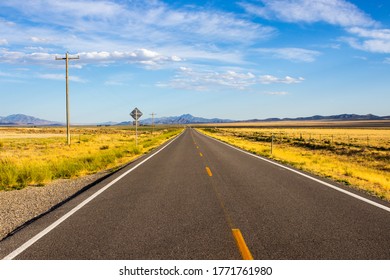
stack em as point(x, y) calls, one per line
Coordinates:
point(381, 34)
point(214, 24)
point(209, 80)
point(14, 57)
point(269, 79)
point(292, 54)
point(37, 49)
point(141, 56)
point(335, 12)
point(145, 20)
point(3, 42)
point(190, 79)
point(370, 40)
point(187, 32)
point(39, 40)
point(71, 9)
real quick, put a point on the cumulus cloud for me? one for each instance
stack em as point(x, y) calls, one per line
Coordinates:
point(21, 57)
point(141, 56)
point(189, 79)
point(292, 54)
point(269, 79)
point(335, 12)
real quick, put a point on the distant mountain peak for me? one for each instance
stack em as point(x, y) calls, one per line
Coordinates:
point(183, 119)
point(21, 119)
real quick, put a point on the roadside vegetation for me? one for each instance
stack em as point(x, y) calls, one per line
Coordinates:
point(36, 156)
point(359, 158)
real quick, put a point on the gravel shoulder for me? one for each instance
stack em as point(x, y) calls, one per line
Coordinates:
point(19, 206)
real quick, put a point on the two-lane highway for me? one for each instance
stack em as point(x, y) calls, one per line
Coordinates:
point(200, 199)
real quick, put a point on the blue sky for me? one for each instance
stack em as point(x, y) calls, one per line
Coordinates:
point(229, 59)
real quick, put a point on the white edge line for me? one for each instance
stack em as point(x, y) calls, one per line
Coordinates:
point(38, 236)
point(304, 175)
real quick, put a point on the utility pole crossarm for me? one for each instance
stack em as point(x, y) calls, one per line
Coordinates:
point(67, 57)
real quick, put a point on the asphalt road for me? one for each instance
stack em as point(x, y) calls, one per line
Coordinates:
point(193, 199)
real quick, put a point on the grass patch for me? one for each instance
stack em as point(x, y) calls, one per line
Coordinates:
point(359, 158)
point(28, 158)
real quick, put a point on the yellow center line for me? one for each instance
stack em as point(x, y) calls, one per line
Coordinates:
point(240, 242)
point(244, 250)
point(209, 171)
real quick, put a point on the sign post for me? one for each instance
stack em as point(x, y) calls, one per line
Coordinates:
point(136, 114)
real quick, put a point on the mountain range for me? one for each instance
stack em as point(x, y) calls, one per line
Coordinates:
point(20, 119)
point(342, 117)
point(189, 119)
point(183, 119)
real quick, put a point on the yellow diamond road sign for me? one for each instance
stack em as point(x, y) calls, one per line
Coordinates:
point(136, 114)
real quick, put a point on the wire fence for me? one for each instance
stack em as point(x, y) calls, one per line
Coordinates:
point(374, 139)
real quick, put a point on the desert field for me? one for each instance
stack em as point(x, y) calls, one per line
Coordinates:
point(36, 156)
point(356, 157)
point(310, 123)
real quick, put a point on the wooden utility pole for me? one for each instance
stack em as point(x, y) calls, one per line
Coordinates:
point(153, 114)
point(67, 58)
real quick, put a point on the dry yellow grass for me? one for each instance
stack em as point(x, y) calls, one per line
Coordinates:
point(308, 123)
point(35, 156)
point(359, 158)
